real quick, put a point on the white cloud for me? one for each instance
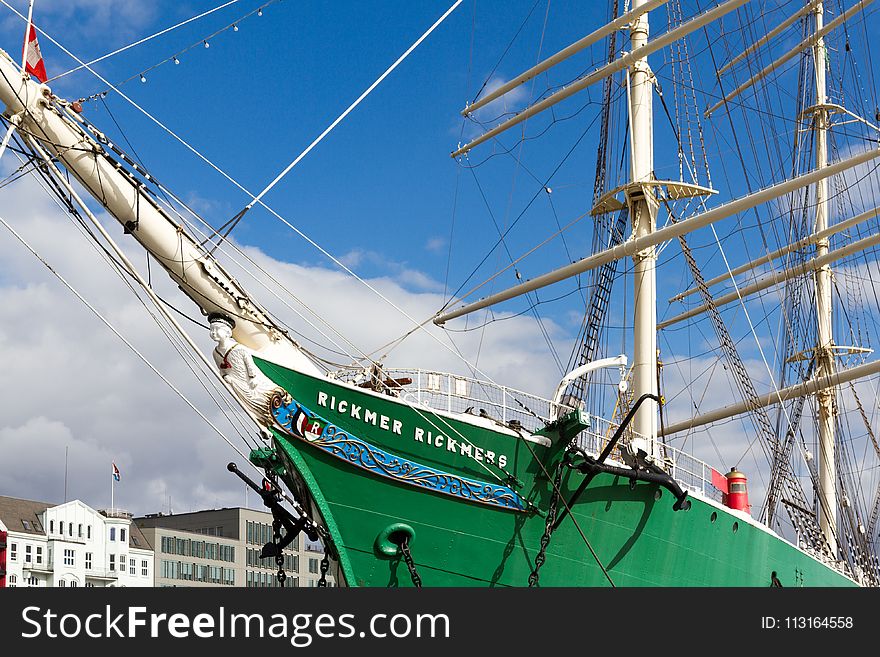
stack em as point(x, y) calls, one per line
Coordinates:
point(500, 108)
point(112, 20)
point(510, 102)
point(68, 382)
point(436, 244)
point(401, 272)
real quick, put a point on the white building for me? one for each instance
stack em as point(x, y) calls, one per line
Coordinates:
point(72, 545)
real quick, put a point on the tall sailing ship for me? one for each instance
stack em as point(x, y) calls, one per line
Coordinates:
point(418, 477)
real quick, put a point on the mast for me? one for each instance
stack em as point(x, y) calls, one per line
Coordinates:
point(188, 263)
point(824, 336)
point(643, 213)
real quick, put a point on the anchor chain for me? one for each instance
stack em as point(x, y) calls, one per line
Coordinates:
point(549, 525)
point(281, 576)
point(325, 566)
point(410, 564)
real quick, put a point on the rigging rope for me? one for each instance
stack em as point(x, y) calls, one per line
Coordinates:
point(256, 199)
point(112, 328)
point(146, 39)
point(262, 203)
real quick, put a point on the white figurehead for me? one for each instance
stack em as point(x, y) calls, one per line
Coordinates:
point(237, 367)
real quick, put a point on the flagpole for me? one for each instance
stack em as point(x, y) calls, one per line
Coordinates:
point(27, 36)
point(112, 487)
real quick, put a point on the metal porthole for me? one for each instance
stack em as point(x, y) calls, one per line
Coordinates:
point(735, 527)
point(389, 539)
point(713, 517)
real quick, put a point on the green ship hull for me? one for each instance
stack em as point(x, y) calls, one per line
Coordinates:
point(374, 466)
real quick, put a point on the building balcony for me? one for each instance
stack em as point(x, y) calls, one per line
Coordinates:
point(37, 567)
point(66, 539)
point(102, 573)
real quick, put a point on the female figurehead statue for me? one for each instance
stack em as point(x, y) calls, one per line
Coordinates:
point(238, 369)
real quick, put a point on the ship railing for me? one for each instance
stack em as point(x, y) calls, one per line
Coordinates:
point(454, 393)
point(690, 472)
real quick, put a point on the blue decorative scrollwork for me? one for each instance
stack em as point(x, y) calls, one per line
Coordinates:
point(300, 422)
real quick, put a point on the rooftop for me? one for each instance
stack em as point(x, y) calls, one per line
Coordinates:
point(23, 515)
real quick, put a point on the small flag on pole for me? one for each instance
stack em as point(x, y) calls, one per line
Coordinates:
point(33, 57)
point(115, 473)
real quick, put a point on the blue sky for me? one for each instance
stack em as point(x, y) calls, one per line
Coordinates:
point(381, 192)
point(382, 182)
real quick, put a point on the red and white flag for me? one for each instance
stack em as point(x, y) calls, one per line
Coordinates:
point(33, 58)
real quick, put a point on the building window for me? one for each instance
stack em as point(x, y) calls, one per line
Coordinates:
point(26, 525)
point(227, 553)
point(39, 554)
point(89, 532)
point(51, 526)
point(88, 560)
point(68, 558)
point(313, 566)
point(73, 583)
point(80, 532)
point(62, 583)
point(27, 554)
point(13, 551)
point(144, 566)
point(89, 585)
point(112, 562)
point(122, 564)
point(12, 581)
point(122, 534)
point(32, 581)
point(132, 567)
point(70, 529)
point(113, 533)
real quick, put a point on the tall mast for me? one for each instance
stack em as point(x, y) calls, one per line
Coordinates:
point(824, 335)
point(643, 212)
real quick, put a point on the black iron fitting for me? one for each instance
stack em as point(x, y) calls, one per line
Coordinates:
point(591, 467)
point(272, 499)
point(651, 473)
